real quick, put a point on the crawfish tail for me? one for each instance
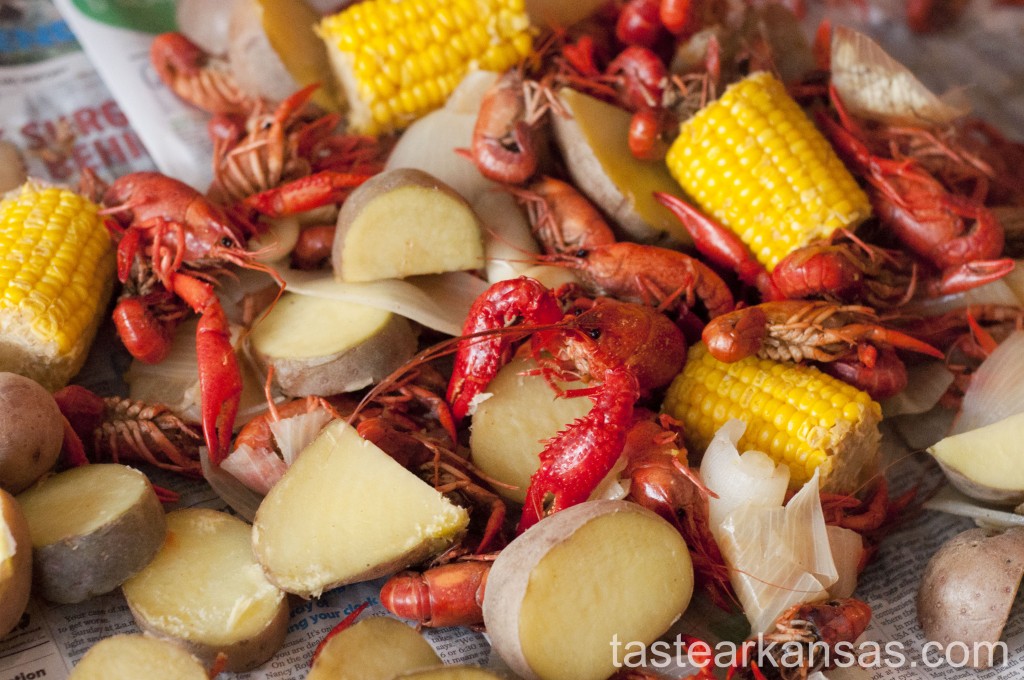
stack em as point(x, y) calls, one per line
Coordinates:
point(148, 433)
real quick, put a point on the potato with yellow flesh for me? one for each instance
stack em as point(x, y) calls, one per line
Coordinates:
point(373, 649)
point(92, 527)
point(15, 563)
point(405, 222)
point(509, 427)
point(130, 657)
point(594, 142)
point(561, 593)
point(273, 50)
point(320, 346)
point(450, 673)
point(205, 591)
point(986, 463)
point(345, 512)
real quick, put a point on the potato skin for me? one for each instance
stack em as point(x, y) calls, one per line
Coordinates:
point(31, 432)
point(81, 567)
point(16, 575)
point(969, 586)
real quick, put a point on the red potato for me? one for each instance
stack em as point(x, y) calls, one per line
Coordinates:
point(967, 590)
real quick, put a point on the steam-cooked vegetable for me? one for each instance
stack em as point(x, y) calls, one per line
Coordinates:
point(31, 432)
point(205, 591)
point(373, 649)
point(345, 512)
point(15, 563)
point(92, 527)
point(631, 577)
point(130, 657)
point(967, 590)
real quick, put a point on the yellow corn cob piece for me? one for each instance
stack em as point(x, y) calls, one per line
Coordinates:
point(56, 276)
point(398, 60)
point(756, 162)
point(794, 413)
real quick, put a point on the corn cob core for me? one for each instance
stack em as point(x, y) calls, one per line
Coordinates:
point(398, 60)
point(794, 413)
point(756, 162)
point(56, 277)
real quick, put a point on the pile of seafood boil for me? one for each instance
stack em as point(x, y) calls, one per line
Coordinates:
point(556, 318)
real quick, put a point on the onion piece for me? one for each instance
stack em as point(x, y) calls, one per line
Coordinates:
point(951, 501)
point(242, 500)
point(996, 390)
point(278, 241)
point(508, 242)
point(750, 479)
point(438, 301)
point(294, 434)
point(847, 553)
point(926, 383)
point(995, 293)
point(875, 86)
point(206, 23)
point(257, 469)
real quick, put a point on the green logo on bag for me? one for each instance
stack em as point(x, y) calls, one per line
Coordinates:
point(148, 16)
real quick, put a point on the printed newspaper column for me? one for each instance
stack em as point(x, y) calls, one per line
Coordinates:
point(53, 106)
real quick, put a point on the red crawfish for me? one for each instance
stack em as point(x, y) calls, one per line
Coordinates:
point(625, 349)
point(813, 630)
point(505, 141)
point(172, 243)
point(840, 269)
point(124, 430)
point(446, 595)
point(196, 77)
point(289, 160)
point(945, 229)
point(798, 330)
point(576, 236)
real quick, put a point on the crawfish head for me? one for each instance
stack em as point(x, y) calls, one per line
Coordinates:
point(613, 334)
point(176, 214)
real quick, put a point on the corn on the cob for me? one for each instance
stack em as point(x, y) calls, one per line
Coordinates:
point(56, 276)
point(794, 413)
point(756, 162)
point(398, 60)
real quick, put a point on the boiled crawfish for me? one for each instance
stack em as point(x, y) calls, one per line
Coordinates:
point(171, 245)
point(196, 77)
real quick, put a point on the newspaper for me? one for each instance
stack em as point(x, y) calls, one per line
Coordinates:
point(49, 88)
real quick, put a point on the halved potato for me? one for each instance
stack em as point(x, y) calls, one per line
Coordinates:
point(130, 657)
point(509, 427)
point(321, 346)
point(450, 673)
point(15, 563)
point(373, 649)
point(345, 512)
point(561, 593)
point(594, 143)
point(205, 591)
point(405, 222)
point(986, 463)
point(92, 527)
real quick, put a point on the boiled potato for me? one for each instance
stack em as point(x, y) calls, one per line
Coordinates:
point(15, 563)
point(509, 427)
point(345, 512)
point(405, 222)
point(593, 141)
point(130, 657)
point(986, 463)
point(450, 673)
point(31, 432)
point(373, 649)
point(273, 50)
point(967, 590)
point(563, 591)
point(92, 527)
point(320, 346)
point(204, 591)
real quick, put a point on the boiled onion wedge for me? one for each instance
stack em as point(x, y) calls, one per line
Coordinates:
point(345, 512)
